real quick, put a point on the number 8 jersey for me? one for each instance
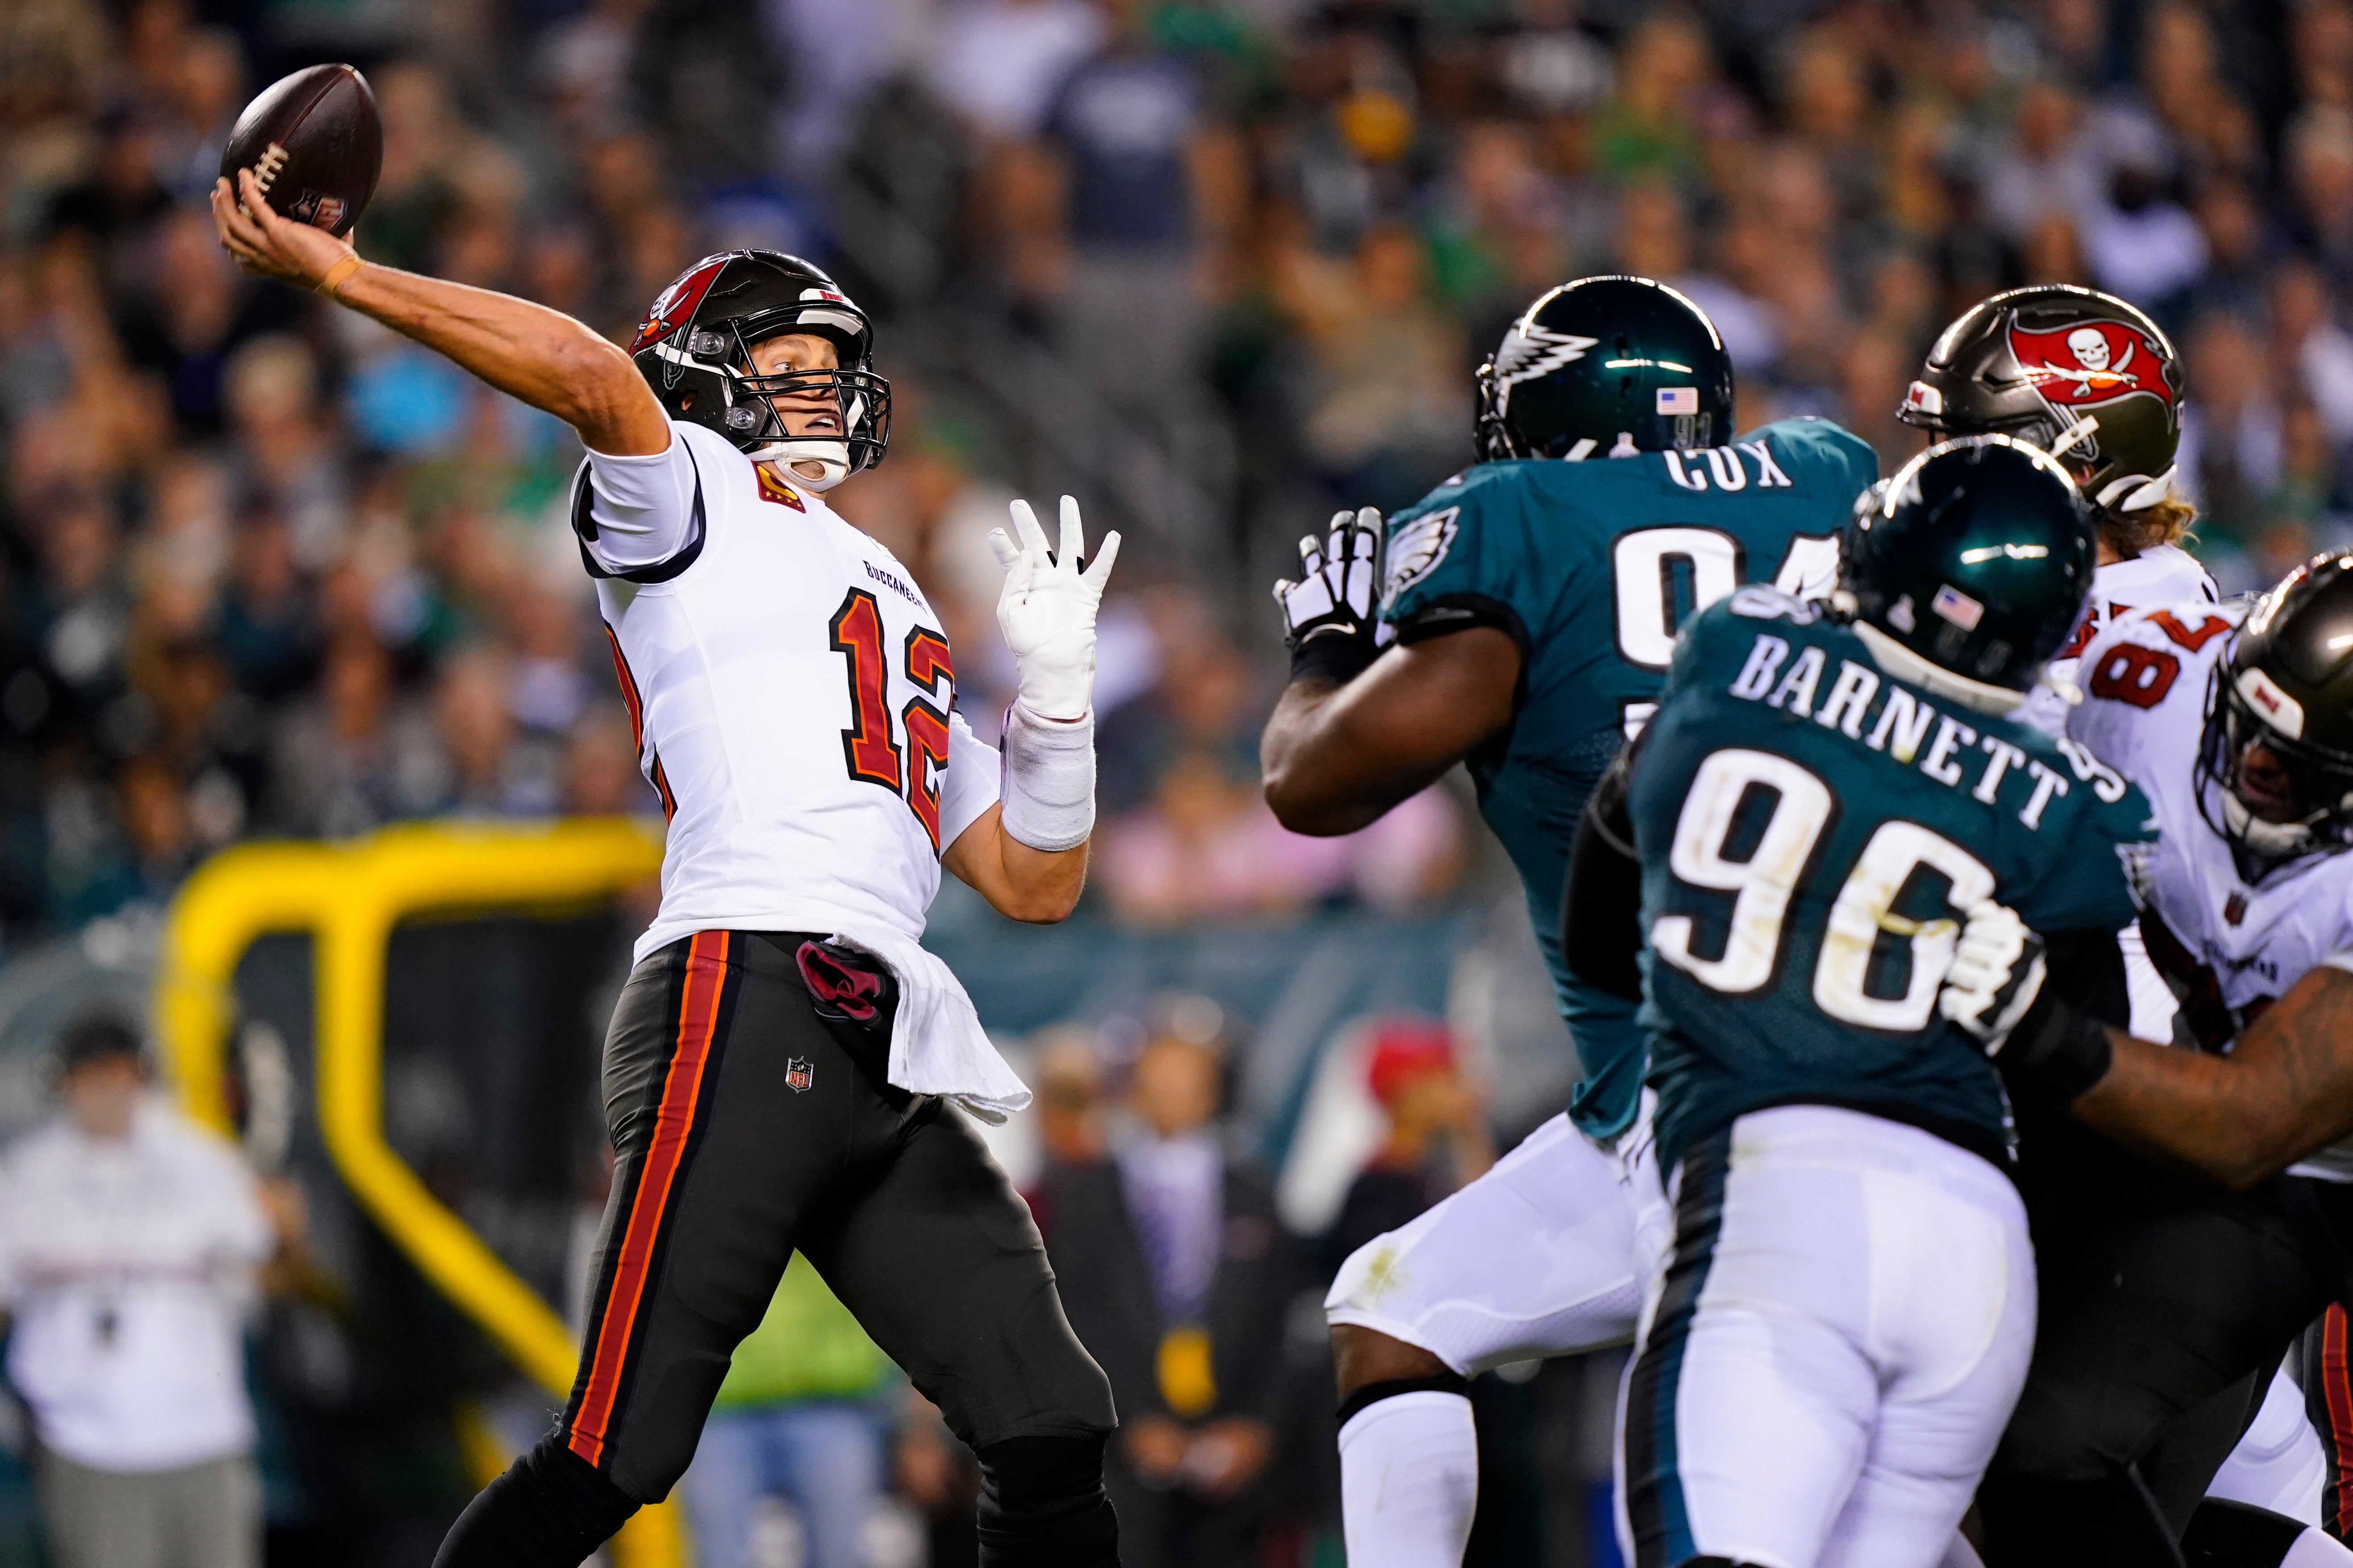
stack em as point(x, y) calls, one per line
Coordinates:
point(2229, 946)
point(791, 693)
point(1810, 829)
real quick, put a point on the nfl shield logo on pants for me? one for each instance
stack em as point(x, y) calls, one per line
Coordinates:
point(799, 1073)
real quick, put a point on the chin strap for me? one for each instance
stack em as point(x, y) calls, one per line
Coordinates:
point(1906, 665)
point(831, 457)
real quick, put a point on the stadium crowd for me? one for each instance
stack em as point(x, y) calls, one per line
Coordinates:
point(265, 569)
point(270, 570)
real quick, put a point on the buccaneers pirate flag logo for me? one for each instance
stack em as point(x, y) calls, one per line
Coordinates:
point(2081, 367)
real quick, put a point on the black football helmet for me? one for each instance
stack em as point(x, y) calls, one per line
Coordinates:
point(1967, 571)
point(2288, 684)
point(695, 350)
point(1605, 367)
point(2080, 373)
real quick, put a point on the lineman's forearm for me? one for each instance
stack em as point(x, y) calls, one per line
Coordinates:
point(536, 355)
point(2240, 1118)
point(2184, 1105)
point(1314, 780)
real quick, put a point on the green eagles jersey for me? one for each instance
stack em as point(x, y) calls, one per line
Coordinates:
point(1811, 828)
point(1592, 567)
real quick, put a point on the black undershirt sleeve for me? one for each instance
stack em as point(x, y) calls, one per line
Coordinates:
point(1601, 900)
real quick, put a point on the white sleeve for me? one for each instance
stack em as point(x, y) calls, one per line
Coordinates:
point(641, 518)
point(970, 787)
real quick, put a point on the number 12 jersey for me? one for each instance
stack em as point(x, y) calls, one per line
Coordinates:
point(791, 693)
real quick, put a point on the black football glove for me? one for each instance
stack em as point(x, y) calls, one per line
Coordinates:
point(1329, 615)
point(1995, 991)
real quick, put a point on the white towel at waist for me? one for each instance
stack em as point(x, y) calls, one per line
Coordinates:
point(937, 1046)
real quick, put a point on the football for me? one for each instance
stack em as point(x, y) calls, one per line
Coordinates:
point(315, 144)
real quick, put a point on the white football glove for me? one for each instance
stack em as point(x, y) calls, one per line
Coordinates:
point(1339, 584)
point(1047, 611)
point(1997, 972)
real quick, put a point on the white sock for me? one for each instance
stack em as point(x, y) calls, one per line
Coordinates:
point(2314, 1549)
point(1409, 1481)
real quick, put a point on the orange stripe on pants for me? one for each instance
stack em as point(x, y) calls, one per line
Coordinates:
point(2338, 1388)
point(706, 974)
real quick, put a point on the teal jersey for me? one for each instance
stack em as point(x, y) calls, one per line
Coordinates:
point(1810, 830)
point(1592, 567)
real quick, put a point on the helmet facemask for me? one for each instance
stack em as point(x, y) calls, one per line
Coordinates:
point(2319, 782)
point(858, 400)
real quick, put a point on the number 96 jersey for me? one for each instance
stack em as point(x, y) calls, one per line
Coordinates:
point(1811, 831)
point(791, 694)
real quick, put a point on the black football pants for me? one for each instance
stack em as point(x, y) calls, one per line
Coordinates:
point(2166, 1304)
point(744, 1090)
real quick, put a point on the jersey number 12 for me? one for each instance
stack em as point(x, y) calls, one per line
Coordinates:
point(870, 746)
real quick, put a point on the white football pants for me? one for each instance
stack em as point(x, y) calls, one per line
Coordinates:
point(1832, 1350)
point(1543, 1256)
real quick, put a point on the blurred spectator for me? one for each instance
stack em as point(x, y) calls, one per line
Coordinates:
point(2048, 169)
point(998, 62)
point(1138, 199)
point(1437, 1140)
point(1177, 1274)
point(2230, 428)
point(800, 1417)
point(129, 1239)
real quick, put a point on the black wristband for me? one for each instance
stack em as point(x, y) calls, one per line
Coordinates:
point(1334, 657)
point(2061, 1051)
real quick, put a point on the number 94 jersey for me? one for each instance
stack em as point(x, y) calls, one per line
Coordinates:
point(1811, 831)
point(1590, 567)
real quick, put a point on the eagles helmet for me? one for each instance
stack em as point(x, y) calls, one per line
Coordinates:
point(695, 350)
point(1605, 367)
point(1967, 571)
point(2286, 688)
point(2080, 373)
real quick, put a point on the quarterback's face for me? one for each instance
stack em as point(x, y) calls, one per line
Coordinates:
point(810, 411)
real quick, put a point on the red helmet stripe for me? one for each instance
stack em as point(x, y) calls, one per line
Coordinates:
point(677, 305)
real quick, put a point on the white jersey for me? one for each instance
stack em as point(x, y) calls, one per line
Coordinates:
point(791, 693)
point(2167, 575)
point(2229, 947)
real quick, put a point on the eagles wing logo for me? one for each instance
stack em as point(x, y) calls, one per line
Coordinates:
point(1529, 352)
point(1417, 548)
point(2096, 363)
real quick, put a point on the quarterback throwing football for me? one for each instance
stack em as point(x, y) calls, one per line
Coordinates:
point(779, 1066)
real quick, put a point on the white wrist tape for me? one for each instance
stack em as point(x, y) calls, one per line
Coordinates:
point(1049, 789)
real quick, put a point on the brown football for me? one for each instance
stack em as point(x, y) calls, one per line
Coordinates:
point(315, 144)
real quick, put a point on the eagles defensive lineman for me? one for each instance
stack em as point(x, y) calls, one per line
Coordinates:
point(779, 1067)
point(1533, 602)
point(1831, 1352)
